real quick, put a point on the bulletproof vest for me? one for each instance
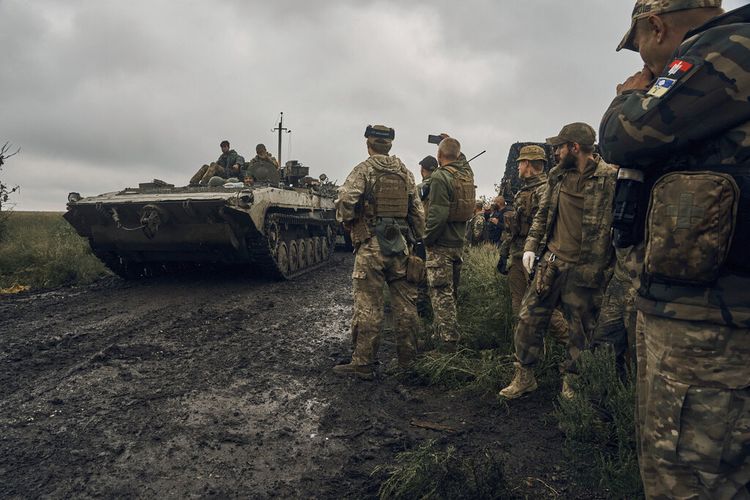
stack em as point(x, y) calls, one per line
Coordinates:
point(464, 195)
point(390, 193)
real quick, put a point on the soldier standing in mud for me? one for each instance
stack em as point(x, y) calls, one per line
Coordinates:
point(450, 205)
point(226, 166)
point(680, 130)
point(380, 207)
point(531, 162)
point(571, 234)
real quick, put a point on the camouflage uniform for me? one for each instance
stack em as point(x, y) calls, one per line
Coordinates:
point(424, 306)
point(692, 339)
point(475, 229)
point(574, 286)
point(518, 223)
point(444, 241)
point(219, 168)
point(616, 323)
point(358, 207)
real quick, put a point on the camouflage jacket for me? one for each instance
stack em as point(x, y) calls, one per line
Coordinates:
point(701, 121)
point(351, 206)
point(595, 260)
point(475, 229)
point(230, 158)
point(525, 206)
point(259, 159)
point(438, 230)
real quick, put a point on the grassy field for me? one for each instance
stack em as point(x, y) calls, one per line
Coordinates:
point(41, 250)
point(598, 422)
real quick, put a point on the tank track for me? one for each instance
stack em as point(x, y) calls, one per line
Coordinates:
point(265, 249)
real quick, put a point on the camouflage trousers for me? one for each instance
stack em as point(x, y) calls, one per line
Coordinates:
point(371, 271)
point(518, 282)
point(553, 287)
point(205, 173)
point(616, 323)
point(443, 266)
point(693, 408)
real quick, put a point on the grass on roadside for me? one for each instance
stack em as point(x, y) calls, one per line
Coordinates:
point(41, 250)
point(431, 472)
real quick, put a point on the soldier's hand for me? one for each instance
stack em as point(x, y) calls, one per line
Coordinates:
point(528, 261)
point(639, 81)
point(495, 220)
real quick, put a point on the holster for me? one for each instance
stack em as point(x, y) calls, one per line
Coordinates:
point(547, 272)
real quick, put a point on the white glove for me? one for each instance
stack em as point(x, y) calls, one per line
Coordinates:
point(528, 261)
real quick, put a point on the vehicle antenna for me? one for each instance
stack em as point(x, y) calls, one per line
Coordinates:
point(281, 129)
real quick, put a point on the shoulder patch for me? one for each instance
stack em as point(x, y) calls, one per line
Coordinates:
point(668, 80)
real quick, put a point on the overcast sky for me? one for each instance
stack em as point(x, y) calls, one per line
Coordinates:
point(102, 94)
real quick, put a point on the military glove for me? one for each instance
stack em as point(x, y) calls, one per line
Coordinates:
point(528, 261)
point(502, 265)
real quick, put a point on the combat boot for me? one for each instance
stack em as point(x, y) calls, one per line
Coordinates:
point(567, 391)
point(523, 382)
point(364, 372)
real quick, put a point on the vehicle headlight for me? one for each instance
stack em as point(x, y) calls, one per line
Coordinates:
point(74, 197)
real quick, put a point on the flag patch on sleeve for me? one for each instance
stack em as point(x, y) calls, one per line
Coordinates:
point(662, 86)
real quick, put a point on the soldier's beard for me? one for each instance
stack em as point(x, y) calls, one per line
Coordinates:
point(568, 162)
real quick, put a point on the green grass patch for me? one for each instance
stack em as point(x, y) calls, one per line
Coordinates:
point(432, 472)
point(599, 426)
point(41, 250)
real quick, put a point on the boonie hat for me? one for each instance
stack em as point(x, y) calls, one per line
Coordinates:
point(531, 152)
point(645, 8)
point(574, 132)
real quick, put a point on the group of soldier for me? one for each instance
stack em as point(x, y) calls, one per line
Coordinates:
point(231, 167)
point(649, 237)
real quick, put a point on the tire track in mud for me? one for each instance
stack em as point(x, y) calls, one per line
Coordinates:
point(221, 386)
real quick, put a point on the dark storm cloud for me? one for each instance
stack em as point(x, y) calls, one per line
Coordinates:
point(103, 94)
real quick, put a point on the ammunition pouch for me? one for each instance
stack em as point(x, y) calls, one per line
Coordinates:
point(390, 237)
point(360, 232)
point(416, 272)
point(691, 221)
point(628, 209)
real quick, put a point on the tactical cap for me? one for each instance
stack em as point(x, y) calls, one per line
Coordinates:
point(429, 163)
point(645, 8)
point(574, 132)
point(532, 152)
point(379, 134)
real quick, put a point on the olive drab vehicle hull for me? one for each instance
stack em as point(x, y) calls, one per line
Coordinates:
point(279, 232)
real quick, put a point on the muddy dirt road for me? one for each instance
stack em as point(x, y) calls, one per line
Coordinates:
point(221, 386)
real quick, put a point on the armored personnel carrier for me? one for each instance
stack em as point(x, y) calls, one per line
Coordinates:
point(282, 225)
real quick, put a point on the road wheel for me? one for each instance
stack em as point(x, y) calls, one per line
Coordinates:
point(293, 257)
point(310, 251)
point(326, 249)
point(282, 258)
point(302, 246)
point(318, 249)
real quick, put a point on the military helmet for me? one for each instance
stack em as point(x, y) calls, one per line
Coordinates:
point(532, 152)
